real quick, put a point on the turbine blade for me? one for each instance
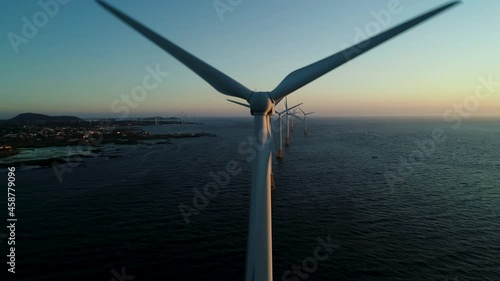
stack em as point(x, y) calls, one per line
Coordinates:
point(276, 102)
point(296, 116)
point(307, 74)
point(310, 113)
point(238, 103)
point(220, 81)
point(287, 110)
point(302, 111)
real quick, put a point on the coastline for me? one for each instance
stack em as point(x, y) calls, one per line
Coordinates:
point(95, 148)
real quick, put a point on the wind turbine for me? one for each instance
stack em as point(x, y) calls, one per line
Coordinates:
point(262, 106)
point(294, 115)
point(287, 138)
point(282, 115)
point(156, 118)
point(305, 119)
point(292, 125)
point(181, 117)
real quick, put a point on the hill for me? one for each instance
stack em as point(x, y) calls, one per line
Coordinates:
point(35, 117)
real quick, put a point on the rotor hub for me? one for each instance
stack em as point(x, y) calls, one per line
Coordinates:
point(261, 103)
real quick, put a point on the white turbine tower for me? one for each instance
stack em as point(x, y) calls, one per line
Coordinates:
point(305, 119)
point(282, 115)
point(287, 138)
point(289, 121)
point(156, 118)
point(294, 115)
point(181, 117)
point(292, 124)
point(262, 104)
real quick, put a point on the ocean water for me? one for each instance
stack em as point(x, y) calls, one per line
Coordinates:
point(108, 216)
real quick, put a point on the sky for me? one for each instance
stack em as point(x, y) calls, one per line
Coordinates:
point(83, 61)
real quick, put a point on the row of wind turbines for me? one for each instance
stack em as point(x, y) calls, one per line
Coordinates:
point(259, 262)
point(181, 117)
point(288, 115)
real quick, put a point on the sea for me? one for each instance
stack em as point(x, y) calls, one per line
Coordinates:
point(365, 199)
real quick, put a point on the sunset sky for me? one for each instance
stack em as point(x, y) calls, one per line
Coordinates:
point(84, 59)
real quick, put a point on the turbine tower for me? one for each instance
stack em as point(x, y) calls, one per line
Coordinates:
point(294, 115)
point(156, 118)
point(305, 119)
point(287, 138)
point(181, 117)
point(262, 107)
point(281, 115)
point(292, 125)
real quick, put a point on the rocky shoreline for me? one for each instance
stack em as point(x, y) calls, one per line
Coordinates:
point(161, 139)
point(8, 153)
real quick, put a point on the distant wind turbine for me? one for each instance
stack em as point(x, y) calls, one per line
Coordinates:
point(262, 106)
point(287, 138)
point(292, 124)
point(282, 115)
point(156, 118)
point(305, 119)
point(182, 115)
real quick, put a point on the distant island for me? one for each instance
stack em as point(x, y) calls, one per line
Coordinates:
point(36, 117)
point(33, 130)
